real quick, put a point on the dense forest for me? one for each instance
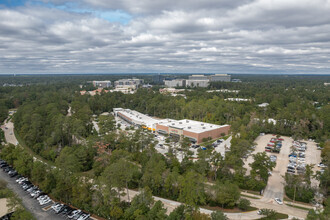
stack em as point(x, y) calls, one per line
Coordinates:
point(68, 140)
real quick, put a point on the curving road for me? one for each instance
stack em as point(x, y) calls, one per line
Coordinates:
point(274, 187)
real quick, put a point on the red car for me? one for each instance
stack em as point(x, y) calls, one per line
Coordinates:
point(268, 150)
point(281, 139)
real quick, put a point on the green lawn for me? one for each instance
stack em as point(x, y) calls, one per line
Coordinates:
point(277, 216)
point(298, 207)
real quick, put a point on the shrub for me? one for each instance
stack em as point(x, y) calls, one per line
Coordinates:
point(244, 204)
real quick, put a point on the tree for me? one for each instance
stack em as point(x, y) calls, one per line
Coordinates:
point(157, 212)
point(68, 160)
point(218, 215)
point(38, 172)
point(119, 174)
point(216, 161)
point(192, 189)
point(106, 123)
point(152, 175)
point(261, 166)
point(140, 205)
point(226, 194)
point(244, 204)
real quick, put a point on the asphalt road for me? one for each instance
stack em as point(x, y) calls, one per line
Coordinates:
point(29, 203)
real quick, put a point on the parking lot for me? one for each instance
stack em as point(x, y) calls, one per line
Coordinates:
point(29, 203)
point(39, 204)
point(275, 185)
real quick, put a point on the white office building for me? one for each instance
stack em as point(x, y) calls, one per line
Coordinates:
point(175, 83)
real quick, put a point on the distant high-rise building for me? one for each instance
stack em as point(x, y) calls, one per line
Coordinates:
point(158, 79)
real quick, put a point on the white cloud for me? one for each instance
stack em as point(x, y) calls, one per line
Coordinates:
point(165, 36)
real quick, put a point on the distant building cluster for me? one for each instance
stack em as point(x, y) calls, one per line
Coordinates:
point(172, 91)
point(126, 86)
point(197, 80)
point(194, 130)
point(238, 100)
point(224, 91)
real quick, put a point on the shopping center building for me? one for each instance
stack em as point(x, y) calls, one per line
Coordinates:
point(196, 131)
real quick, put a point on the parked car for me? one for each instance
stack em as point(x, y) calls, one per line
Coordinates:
point(291, 171)
point(60, 208)
point(279, 201)
point(322, 165)
point(44, 202)
point(84, 216)
point(74, 213)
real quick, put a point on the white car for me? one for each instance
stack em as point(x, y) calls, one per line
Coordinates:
point(43, 199)
point(321, 165)
point(20, 180)
point(84, 216)
point(44, 202)
point(279, 201)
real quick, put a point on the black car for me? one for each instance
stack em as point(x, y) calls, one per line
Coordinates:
point(4, 165)
point(7, 169)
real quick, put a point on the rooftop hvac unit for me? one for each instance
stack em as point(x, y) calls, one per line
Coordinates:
point(187, 121)
point(189, 127)
point(173, 123)
point(204, 127)
point(202, 124)
point(140, 117)
point(180, 122)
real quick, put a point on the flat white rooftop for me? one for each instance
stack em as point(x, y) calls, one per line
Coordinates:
point(191, 125)
point(185, 124)
point(138, 117)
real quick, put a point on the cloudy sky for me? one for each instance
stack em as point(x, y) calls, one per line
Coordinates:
point(165, 36)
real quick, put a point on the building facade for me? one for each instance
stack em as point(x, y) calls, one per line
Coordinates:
point(102, 84)
point(175, 83)
point(194, 130)
point(128, 83)
point(197, 83)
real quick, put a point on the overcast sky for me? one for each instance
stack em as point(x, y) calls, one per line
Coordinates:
point(165, 36)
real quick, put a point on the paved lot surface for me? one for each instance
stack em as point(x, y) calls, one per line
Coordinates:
point(3, 207)
point(275, 185)
point(313, 156)
point(29, 203)
point(9, 132)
